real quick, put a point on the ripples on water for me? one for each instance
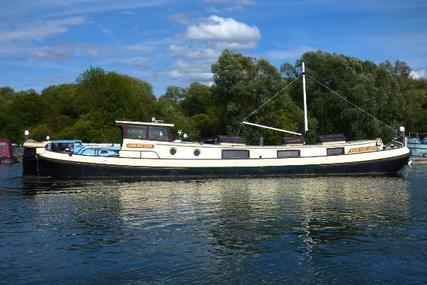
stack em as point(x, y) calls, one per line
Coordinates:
point(276, 230)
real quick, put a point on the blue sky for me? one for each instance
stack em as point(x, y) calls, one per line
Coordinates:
point(166, 42)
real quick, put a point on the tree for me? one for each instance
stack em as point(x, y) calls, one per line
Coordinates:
point(174, 93)
point(242, 85)
point(27, 109)
point(197, 99)
point(378, 89)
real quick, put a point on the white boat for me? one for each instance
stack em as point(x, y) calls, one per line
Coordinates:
point(148, 150)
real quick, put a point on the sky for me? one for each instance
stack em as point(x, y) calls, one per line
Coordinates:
point(175, 42)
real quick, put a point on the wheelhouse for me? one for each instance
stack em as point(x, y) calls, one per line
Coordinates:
point(152, 131)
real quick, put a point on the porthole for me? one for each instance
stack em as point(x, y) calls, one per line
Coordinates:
point(172, 151)
point(196, 152)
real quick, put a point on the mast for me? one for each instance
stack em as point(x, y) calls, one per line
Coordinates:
point(305, 100)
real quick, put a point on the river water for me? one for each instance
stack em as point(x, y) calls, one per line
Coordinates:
point(324, 230)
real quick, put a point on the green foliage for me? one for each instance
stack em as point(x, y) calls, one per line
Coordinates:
point(118, 97)
point(242, 84)
point(88, 108)
point(174, 93)
point(385, 91)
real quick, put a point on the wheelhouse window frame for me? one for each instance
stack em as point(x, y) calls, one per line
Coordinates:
point(158, 137)
point(133, 128)
point(228, 154)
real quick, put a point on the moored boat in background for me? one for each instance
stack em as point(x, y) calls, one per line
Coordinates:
point(6, 151)
point(418, 145)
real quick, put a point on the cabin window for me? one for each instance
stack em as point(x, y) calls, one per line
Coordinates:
point(335, 151)
point(288, 153)
point(235, 154)
point(158, 133)
point(136, 133)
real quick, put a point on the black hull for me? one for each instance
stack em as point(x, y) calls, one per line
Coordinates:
point(60, 168)
point(29, 161)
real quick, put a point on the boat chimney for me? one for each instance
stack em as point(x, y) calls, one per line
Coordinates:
point(26, 135)
point(305, 100)
point(402, 135)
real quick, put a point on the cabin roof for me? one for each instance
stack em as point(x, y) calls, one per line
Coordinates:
point(144, 123)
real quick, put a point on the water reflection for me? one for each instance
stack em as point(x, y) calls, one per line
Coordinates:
point(238, 230)
point(239, 213)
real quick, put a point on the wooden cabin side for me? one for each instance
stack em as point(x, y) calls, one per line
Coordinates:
point(155, 140)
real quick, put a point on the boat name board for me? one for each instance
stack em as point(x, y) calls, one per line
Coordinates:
point(139, 145)
point(363, 149)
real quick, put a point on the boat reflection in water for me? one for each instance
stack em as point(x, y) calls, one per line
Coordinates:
point(210, 221)
point(318, 209)
point(307, 230)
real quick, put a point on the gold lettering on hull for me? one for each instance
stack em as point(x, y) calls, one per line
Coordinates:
point(363, 149)
point(139, 145)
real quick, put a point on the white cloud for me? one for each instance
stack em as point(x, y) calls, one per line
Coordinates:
point(418, 74)
point(194, 52)
point(139, 47)
point(39, 30)
point(56, 8)
point(141, 64)
point(132, 55)
point(240, 2)
point(54, 53)
point(223, 29)
point(201, 44)
point(216, 6)
point(234, 45)
point(180, 18)
point(191, 71)
point(287, 54)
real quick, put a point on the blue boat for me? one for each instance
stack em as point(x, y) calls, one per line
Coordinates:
point(418, 145)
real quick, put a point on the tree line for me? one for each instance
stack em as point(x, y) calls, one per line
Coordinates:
point(87, 109)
